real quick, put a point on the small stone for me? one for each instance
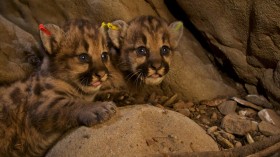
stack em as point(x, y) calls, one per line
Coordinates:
point(202, 111)
point(246, 103)
point(251, 89)
point(224, 142)
point(202, 107)
point(180, 105)
point(227, 135)
point(213, 102)
point(236, 124)
point(248, 112)
point(227, 107)
point(189, 104)
point(254, 125)
point(205, 120)
point(268, 129)
point(214, 116)
point(212, 129)
point(170, 101)
point(184, 111)
point(238, 144)
point(162, 99)
point(270, 116)
point(249, 138)
point(192, 109)
point(160, 106)
point(259, 100)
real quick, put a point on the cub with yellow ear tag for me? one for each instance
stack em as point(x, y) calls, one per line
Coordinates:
point(146, 45)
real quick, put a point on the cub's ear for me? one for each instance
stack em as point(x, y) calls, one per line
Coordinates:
point(51, 36)
point(116, 34)
point(176, 32)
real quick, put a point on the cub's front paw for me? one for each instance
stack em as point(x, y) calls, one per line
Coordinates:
point(96, 113)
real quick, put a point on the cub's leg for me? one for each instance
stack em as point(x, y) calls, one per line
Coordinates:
point(61, 114)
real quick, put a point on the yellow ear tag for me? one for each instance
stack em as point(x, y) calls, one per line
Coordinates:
point(178, 26)
point(103, 24)
point(111, 26)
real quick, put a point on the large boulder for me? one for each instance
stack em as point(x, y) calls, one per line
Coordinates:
point(241, 35)
point(140, 130)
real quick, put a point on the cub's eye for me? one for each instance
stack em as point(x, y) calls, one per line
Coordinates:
point(84, 58)
point(142, 51)
point(165, 50)
point(104, 56)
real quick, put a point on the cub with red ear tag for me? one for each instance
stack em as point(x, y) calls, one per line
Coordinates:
point(36, 112)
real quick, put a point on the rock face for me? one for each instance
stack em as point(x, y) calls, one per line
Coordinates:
point(139, 130)
point(242, 36)
point(17, 52)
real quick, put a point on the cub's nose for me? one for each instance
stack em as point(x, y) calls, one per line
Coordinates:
point(156, 65)
point(100, 74)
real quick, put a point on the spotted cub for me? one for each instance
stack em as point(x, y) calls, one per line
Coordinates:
point(35, 112)
point(146, 47)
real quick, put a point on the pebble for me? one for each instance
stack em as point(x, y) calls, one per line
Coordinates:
point(248, 112)
point(251, 89)
point(227, 135)
point(236, 124)
point(205, 120)
point(214, 116)
point(246, 103)
point(170, 101)
point(268, 129)
point(192, 109)
point(226, 143)
point(270, 116)
point(212, 129)
point(238, 144)
point(259, 100)
point(179, 105)
point(227, 107)
point(249, 138)
point(184, 111)
point(213, 102)
point(182, 105)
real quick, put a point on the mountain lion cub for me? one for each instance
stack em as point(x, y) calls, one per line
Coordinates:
point(35, 112)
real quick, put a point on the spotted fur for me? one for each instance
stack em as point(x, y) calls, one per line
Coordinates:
point(35, 112)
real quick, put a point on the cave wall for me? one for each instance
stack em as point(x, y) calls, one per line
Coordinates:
point(239, 39)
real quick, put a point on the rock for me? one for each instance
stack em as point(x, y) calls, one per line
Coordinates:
point(184, 111)
point(140, 129)
point(238, 144)
point(251, 89)
point(236, 124)
point(246, 103)
point(223, 141)
point(182, 105)
point(212, 129)
point(18, 52)
point(214, 116)
point(270, 116)
point(244, 38)
point(259, 100)
point(227, 107)
point(248, 112)
point(268, 129)
point(249, 138)
point(213, 102)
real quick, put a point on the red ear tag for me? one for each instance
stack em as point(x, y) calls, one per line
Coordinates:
point(42, 28)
